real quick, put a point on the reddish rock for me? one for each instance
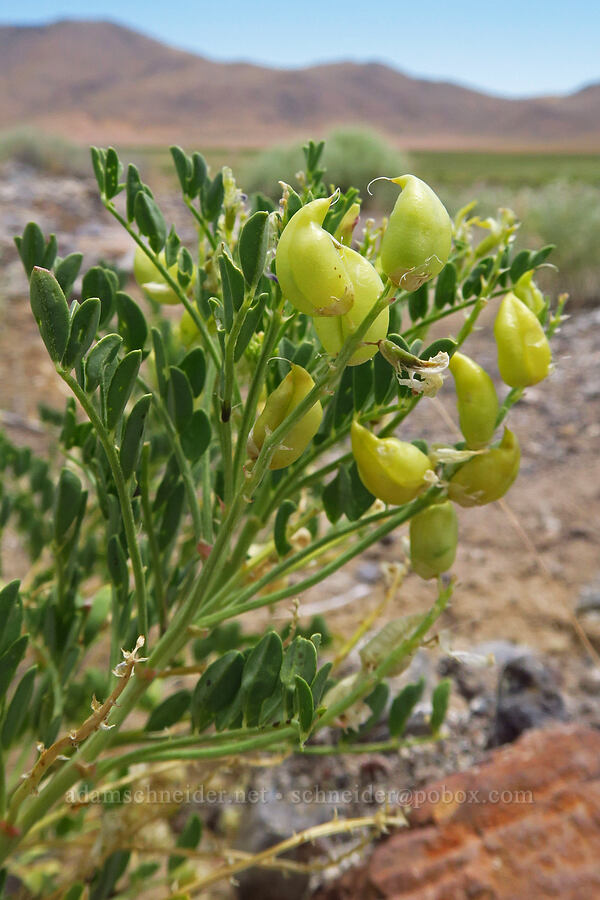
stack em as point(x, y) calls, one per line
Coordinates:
point(523, 825)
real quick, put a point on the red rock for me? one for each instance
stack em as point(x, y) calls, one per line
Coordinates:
point(523, 825)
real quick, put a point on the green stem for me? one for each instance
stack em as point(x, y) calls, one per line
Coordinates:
point(513, 396)
point(182, 460)
point(201, 222)
point(256, 386)
point(393, 744)
point(173, 284)
point(365, 685)
point(124, 500)
point(152, 542)
point(242, 602)
point(233, 748)
point(435, 317)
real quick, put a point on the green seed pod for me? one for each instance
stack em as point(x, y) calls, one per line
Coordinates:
point(416, 243)
point(333, 331)
point(284, 399)
point(345, 230)
point(529, 293)
point(152, 282)
point(477, 401)
point(488, 476)
point(189, 333)
point(433, 540)
point(524, 355)
point(309, 264)
point(392, 470)
point(386, 641)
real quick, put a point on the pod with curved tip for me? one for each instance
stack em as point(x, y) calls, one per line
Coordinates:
point(524, 355)
point(333, 331)
point(345, 230)
point(392, 470)
point(487, 477)
point(309, 264)
point(417, 241)
point(476, 399)
point(280, 403)
point(529, 293)
point(433, 540)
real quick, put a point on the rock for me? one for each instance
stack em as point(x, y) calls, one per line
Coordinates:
point(501, 651)
point(468, 679)
point(369, 572)
point(525, 823)
point(528, 697)
point(279, 813)
point(590, 682)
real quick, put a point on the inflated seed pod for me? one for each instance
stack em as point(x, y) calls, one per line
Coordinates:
point(524, 355)
point(476, 399)
point(152, 282)
point(280, 403)
point(309, 264)
point(433, 540)
point(529, 293)
point(417, 241)
point(392, 470)
point(487, 476)
point(333, 331)
point(386, 641)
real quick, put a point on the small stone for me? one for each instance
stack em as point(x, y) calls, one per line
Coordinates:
point(369, 572)
point(590, 682)
point(528, 697)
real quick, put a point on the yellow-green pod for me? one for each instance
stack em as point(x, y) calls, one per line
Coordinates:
point(280, 403)
point(333, 331)
point(529, 293)
point(476, 399)
point(392, 470)
point(189, 333)
point(152, 282)
point(487, 477)
point(416, 243)
point(391, 636)
point(433, 540)
point(345, 230)
point(524, 355)
point(309, 264)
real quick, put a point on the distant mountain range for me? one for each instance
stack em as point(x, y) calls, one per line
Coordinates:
point(100, 82)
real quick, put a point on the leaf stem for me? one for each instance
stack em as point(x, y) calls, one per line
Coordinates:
point(124, 499)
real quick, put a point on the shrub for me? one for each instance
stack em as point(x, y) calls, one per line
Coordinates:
point(204, 471)
point(352, 157)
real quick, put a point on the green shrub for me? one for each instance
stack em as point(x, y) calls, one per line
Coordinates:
point(45, 153)
point(353, 156)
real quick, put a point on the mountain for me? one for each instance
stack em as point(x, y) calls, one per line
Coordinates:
point(99, 82)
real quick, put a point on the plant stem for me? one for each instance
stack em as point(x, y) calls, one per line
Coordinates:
point(124, 500)
point(241, 605)
point(365, 685)
point(159, 588)
point(182, 460)
point(155, 753)
point(201, 222)
point(173, 284)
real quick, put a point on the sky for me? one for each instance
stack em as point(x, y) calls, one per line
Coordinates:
point(514, 48)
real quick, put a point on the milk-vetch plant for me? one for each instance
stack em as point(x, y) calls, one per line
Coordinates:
point(228, 457)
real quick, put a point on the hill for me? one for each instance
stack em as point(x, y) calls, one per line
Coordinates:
point(101, 82)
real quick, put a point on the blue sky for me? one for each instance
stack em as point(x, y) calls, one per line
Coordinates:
point(507, 47)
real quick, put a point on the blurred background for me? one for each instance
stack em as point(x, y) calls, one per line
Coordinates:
point(500, 105)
